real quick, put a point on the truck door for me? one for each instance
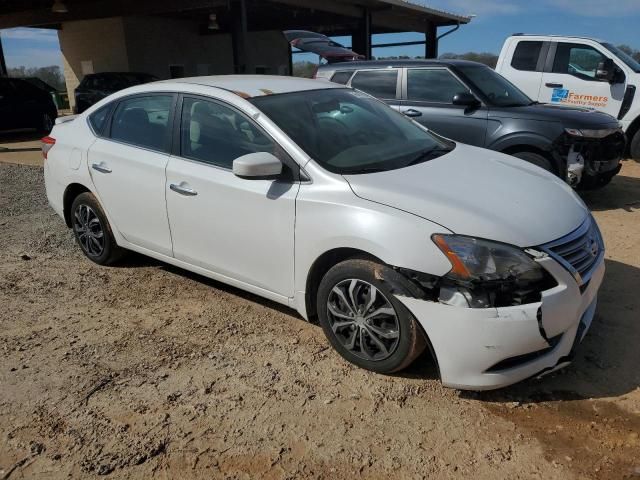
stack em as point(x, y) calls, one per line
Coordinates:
point(570, 79)
point(524, 64)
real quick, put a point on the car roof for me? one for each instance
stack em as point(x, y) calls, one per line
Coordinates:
point(248, 86)
point(576, 37)
point(397, 63)
point(106, 74)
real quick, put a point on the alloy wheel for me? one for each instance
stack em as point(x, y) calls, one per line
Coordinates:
point(363, 320)
point(89, 230)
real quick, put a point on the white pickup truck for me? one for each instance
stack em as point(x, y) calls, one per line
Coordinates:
point(576, 71)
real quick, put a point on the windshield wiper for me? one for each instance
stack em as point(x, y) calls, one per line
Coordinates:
point(364, 170)
point(429, 154)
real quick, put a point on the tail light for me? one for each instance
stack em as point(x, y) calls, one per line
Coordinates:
point(47, 144)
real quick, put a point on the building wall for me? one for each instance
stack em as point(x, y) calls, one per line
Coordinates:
point(153, 44)
point(93, 44)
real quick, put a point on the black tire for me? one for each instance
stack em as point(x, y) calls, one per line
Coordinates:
point(92, 230)
point(400, 350)
point(634, 147)
point(536, 159)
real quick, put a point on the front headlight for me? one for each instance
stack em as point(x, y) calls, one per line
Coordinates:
point(591, 133)
point(473, 259)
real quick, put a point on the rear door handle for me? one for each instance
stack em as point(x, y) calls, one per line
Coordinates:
point(190, 192)
point(101, 168)
point(412, 113)
point(553, 85)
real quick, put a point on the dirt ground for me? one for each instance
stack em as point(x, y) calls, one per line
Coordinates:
point(147, 371)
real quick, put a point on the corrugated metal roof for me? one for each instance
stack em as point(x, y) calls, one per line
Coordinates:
point(422, 7)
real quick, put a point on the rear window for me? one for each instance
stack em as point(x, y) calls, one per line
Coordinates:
point(98, 119)
point(341, 77)
point(379, 83)
point(526, 56)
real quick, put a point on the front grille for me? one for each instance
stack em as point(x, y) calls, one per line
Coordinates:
point(580, 251)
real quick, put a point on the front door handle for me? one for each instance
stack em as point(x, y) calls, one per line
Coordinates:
point(412, 113)
point(553, 85)
point(101, 168)
point(183, 190)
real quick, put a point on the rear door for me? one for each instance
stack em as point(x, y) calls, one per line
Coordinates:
point(128, 169)
point(428, 99)
point(384, 84)
point(569, 79)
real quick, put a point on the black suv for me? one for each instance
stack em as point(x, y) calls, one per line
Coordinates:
point(95, 86)
point(23, 105)
point(471, 103)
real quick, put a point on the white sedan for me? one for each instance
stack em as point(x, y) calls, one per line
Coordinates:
point(324, 199)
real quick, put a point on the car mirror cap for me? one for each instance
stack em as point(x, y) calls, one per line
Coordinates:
point(466, 99)
point(257, 165)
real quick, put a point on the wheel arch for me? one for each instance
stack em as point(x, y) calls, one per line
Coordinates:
point(322, 265)
point(634, 128)
point(70, 194)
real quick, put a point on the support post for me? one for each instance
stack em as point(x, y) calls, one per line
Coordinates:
point(3, 63)
point(361, 40)
point(239, 38)
point(431, 37)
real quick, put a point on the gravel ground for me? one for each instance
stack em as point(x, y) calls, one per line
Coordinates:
point(144, 370)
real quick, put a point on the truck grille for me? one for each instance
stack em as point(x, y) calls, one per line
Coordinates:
point(580, 251)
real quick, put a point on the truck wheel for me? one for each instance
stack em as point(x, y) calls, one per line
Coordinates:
point(635, 146)
point(364, 321)
point(536, 159)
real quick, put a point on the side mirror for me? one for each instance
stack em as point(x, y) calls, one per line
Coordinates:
point(465, 99)
point(259, 165)
point(606, 70)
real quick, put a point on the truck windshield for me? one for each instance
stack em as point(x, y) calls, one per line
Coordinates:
point(626, 58)
point(497, 90)
point(349, 132)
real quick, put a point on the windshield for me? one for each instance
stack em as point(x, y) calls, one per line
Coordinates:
point(499, 91)
point(626, 58)
point(347, 131)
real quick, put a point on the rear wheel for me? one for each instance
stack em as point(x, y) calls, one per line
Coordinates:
point(635, 146)
point(364, 321)
point(536, 159)
point(92, 230)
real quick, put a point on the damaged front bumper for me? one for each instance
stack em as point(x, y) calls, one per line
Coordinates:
point(488, 348)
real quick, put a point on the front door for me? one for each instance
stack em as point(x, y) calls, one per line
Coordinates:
point(128, 170)
point(242, 229)
point(572, 81)
point(429, 101)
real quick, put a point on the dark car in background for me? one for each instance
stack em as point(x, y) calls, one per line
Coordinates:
point(471, 103)
point(95, 86)
point(23, 105)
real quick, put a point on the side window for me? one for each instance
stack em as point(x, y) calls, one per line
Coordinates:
point(379, 83)
point(215, 134)
point(341, 77)
point(98, 119)
point(143, 121)
point(525, 56)
point(89, 82)
point(578, 60)
point(433, 85)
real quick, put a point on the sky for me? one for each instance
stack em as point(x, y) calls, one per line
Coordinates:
point(616, 21)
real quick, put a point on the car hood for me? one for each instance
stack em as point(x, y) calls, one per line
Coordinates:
point(481, 193)
point(570, 117)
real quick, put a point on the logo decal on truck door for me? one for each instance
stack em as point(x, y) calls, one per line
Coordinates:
point(562, 95)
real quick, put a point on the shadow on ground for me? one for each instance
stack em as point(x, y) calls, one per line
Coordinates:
point(622, 193)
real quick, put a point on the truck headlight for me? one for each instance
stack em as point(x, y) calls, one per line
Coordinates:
point(474, 259)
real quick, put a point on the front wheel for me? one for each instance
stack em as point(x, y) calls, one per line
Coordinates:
point(536, 159)
point(92, 230)
point(364, 321)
